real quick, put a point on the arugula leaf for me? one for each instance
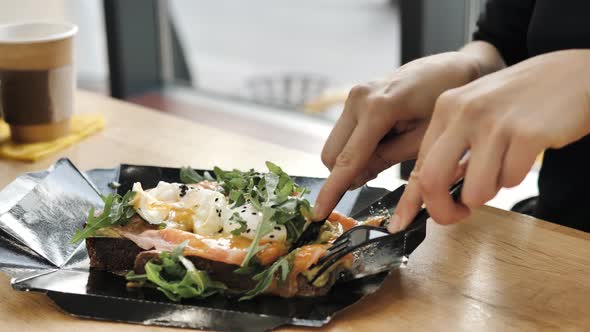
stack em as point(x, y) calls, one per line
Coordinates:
point(243, 224)
point(271, 181)
point(265, 227)
point(116, 211)
point(236, 184)
point(285, 191)
point(189, 175)
point(179, 249)
point(237, 197)
point(305, 209)
point(274, 194)
point(274, 168)
point(132, 276)
point(265, 278)
point(256, 203)
point(239, 183)
point(177, 277)
point(219, 173)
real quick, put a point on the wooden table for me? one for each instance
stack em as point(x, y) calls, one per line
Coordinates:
point(497, 271)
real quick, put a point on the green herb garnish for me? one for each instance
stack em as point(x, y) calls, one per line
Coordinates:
point(177, 277)
point(275, 194)
point(265, 278)
point(189, 176)
point(243, 224)
point(117, 211)
point(265, 227)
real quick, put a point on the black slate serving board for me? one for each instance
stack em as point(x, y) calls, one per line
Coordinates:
point(60, 269)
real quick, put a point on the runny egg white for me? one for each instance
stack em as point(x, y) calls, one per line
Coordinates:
point(203, 211)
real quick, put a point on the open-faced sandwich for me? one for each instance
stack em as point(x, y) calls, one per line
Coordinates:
point(228, 233)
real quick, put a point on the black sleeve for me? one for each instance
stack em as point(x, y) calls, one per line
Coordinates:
point(504, 24)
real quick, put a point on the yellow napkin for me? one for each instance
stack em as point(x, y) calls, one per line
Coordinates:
point(82, 126)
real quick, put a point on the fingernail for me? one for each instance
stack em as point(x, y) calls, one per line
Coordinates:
point(317, 211)
point(394, 224)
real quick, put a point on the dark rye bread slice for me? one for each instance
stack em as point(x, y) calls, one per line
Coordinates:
point(305, 289)
point(216, 270)
point(115, 254)
point(225, 273)
point(120, 254)
point(109, 252)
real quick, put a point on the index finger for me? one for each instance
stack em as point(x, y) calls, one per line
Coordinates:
point(349, 164)
point(439, 172)
point(411, 200)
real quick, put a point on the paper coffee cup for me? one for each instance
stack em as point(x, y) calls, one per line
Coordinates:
point(37, 79)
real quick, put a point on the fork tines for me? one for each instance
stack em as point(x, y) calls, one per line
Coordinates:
point(348, 242)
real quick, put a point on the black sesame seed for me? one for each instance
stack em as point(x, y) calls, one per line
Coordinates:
point(216, 199)
point(277, 228)
point(220, 230)
point(248, 230)
point(254, 213)
point(183, 189)
point(271, 236)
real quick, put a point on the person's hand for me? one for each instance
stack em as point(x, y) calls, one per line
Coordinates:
point(504, 120)
point(383, 122)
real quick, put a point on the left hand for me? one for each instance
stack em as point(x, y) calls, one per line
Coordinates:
point(504, 120)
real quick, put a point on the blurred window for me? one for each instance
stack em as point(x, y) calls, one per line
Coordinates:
point(282, 52)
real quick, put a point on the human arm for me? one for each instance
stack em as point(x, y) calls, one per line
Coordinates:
point(383, 122)
point(504, 120)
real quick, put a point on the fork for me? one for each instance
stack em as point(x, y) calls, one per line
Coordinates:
point(311, 233)
point(363, 236)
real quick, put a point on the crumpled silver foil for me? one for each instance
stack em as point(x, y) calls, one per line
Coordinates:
point(60, 201)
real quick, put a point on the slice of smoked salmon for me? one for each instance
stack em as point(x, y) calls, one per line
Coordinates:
point(346, 222)
point(231, 250)
point(305, 257)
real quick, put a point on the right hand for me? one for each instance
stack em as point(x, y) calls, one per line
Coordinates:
point(383, 122)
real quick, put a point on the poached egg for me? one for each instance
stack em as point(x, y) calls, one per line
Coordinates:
point(199, 210)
